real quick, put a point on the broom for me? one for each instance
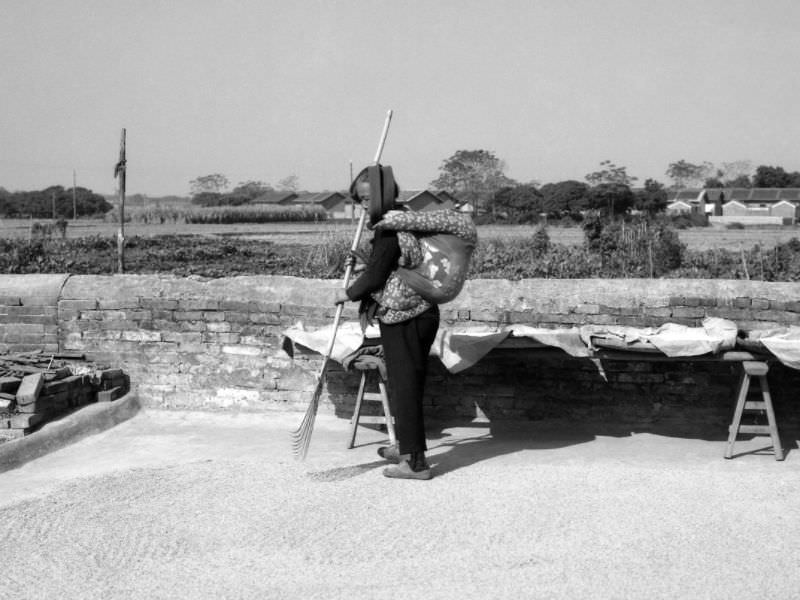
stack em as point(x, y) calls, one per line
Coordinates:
point(301, 437)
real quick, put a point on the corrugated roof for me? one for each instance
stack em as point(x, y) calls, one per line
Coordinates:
point(315, 198)
point(791, 194)
point(770, 194)
point(274, 197)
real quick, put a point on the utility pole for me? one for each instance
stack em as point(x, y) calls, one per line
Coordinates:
point(119, 171)
point(74, 199)
point(352, 200)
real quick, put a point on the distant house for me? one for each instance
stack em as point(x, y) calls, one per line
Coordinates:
point(448, 200)
point(274, 197)
point(746, 205)
point(336, 204)
point(687, 202)
point(423, 200)
point(786, 210)
point(778, 204)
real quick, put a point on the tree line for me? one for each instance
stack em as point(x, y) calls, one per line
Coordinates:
point(477, 178)
point(54, 202)
point(211, 190)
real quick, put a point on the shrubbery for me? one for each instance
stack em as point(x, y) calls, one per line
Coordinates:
point(611, 250)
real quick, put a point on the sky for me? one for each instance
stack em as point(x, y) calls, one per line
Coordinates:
point(264, 89)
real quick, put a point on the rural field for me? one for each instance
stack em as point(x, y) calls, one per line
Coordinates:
point(296, 233)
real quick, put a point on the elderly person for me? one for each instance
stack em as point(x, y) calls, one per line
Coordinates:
point(408, 326)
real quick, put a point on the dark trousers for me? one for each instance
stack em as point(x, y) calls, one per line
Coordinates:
point(405, 348)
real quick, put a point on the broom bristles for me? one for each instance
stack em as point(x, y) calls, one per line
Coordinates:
point(301, 437)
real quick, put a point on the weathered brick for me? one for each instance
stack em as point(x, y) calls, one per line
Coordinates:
point(182, 337)
point(9, 384)
point(658, 312)
point(29, 388)
point(266, 307)
point(241, 350)
point(777, 305)
point(237, 306)
point(211, 316)
point(769, 315)
point(486, 315)
point(267, 318)
point(688, 312)
point(741, 302)
point(759, 304)
point(237, 317)
point(138, 315)
point(110, 395)
point(222, 338)
point(587, 309)
point(198, 304)
point(141, 336)
point(248, 340)
point(631, 321)
point(188, 315)
point(77, 305)
point(602, 320)
point(160, 304)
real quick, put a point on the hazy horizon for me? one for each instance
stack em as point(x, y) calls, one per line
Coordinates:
point(264, 90)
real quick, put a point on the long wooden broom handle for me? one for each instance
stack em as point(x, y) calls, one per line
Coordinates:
point(356, 241)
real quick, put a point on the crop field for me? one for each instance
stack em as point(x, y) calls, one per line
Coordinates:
point(705, 238)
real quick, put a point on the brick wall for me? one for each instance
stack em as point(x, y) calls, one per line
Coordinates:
point(215, 344)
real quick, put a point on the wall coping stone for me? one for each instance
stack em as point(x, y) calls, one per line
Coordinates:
point(33, 289)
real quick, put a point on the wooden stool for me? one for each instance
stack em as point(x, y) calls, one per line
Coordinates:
point(754, 369)
point(379, 396)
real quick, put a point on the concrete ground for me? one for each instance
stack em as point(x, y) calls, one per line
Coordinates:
point(204, 505)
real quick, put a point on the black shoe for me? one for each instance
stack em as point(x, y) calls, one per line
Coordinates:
point(390, 453)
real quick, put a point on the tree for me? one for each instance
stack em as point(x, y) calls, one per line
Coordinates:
point(290, 183)
point(737, 170)
point(685, 174)
point(610, 198)
point(215, 183)
point(742, 181)
point(472, 176)
point(564, 197)
point(54, 199)
point(652, 199)
point(610, 173)
point(519, 204)
point(251, 189)
point(775, 177)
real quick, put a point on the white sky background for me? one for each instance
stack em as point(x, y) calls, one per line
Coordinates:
point(262, 89)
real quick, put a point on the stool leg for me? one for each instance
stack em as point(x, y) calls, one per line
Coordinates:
point(357, 411)
point(387, 413)
point(733, 430)
point(773, 424)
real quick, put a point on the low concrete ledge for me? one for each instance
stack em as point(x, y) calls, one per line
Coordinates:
point(56, 434)
point(32, 289)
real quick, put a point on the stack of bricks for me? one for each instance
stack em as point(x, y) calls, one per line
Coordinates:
point(35, 389)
